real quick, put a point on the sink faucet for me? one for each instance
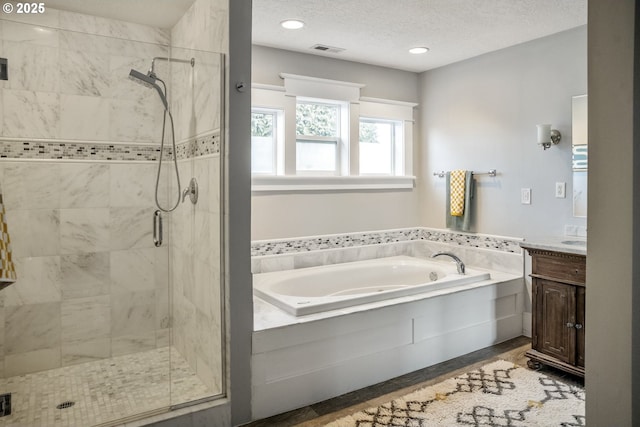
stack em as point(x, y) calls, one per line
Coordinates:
point(459, 263)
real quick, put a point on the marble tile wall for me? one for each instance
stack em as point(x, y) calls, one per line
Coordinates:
point(195, 92)
point(91, 284)
point(196, 291)
point(68, 79)
point(196, 102)
point(203, 27)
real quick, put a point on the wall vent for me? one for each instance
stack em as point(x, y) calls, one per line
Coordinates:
point(325, 48)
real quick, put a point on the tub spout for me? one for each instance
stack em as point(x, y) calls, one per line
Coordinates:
point(459, 263)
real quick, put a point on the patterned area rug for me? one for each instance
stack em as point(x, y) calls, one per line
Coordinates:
point(498, 394)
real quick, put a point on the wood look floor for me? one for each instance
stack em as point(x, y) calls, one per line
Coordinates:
point(322, 413)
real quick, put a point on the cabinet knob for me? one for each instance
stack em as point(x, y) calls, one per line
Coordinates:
point(578, 326)
point(570, 325)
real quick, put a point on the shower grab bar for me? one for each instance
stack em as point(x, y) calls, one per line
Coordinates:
point(157, 228)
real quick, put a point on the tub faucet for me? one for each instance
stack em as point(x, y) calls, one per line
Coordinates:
point(459, 263)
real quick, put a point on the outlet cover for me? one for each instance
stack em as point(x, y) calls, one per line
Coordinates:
point(561, 190)
point(525, 196)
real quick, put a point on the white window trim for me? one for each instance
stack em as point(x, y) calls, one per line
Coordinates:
point(261, 183)
point(284, 98)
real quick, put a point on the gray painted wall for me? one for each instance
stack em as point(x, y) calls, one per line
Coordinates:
point(476, 114)
point(278, 215)
point(613, 221)
point(237, 219)
point(268, 63)
point(481, 114)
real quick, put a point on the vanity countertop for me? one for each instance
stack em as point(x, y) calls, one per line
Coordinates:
point(566, 244)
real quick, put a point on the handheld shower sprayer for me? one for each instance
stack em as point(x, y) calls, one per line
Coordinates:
point(150, 79)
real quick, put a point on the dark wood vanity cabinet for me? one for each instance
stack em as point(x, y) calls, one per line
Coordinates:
point(558, 315)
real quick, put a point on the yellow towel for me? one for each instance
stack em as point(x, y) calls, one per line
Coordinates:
point(7, 269)
point(457, 192)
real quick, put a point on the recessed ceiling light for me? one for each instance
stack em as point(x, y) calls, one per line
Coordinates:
point(292, 24)
point(418, 50)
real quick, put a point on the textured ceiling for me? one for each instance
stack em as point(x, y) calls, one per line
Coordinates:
point(380, 32)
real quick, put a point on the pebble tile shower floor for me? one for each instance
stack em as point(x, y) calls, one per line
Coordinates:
point(103, 391)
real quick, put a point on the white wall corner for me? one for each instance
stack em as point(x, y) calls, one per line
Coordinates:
point(526, 324)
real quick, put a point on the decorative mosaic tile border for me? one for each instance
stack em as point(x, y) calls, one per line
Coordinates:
point(502, 244)
point(51, 150)
point(202, 146)
point(307, 244)
point(56, 150)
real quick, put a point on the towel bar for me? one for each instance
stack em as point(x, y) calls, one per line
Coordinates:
point(492, 172)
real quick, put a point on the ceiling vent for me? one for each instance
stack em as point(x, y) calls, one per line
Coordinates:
point(325, 48)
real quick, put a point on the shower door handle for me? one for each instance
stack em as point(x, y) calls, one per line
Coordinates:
point(157, 228)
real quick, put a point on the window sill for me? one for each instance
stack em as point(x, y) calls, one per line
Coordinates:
point(335, 183)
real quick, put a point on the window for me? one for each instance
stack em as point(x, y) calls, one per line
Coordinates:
point(380, 147)
point(318, 134)
point(317, 137)
point(263, 141)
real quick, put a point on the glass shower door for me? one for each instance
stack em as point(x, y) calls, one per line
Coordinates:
point(195, 251)
point(87, 323)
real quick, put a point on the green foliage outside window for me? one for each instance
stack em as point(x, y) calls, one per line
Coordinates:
point(261, 124)
point(316, 119)
point(368, 132)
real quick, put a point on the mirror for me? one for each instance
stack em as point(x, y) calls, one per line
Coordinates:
point(579, 162)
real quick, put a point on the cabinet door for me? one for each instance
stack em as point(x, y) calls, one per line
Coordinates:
point(580, 298)
point(555, 320)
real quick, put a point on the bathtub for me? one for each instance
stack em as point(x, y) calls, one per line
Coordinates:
point(315, 289)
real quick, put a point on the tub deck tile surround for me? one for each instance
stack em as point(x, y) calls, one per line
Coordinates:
point(337, 241)
point(492, 252)
point(306, 359)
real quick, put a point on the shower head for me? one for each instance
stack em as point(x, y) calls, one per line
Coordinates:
point(145, 78)
point(149, 80)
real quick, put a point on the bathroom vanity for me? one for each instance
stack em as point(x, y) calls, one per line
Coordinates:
point(558, 305)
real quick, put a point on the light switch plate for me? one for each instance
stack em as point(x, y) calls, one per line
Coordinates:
point(561, 190)
point(525, 196)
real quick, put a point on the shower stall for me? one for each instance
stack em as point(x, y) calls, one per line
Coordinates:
point(113, 207)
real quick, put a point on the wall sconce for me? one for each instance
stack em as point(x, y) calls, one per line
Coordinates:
point(548, 136)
